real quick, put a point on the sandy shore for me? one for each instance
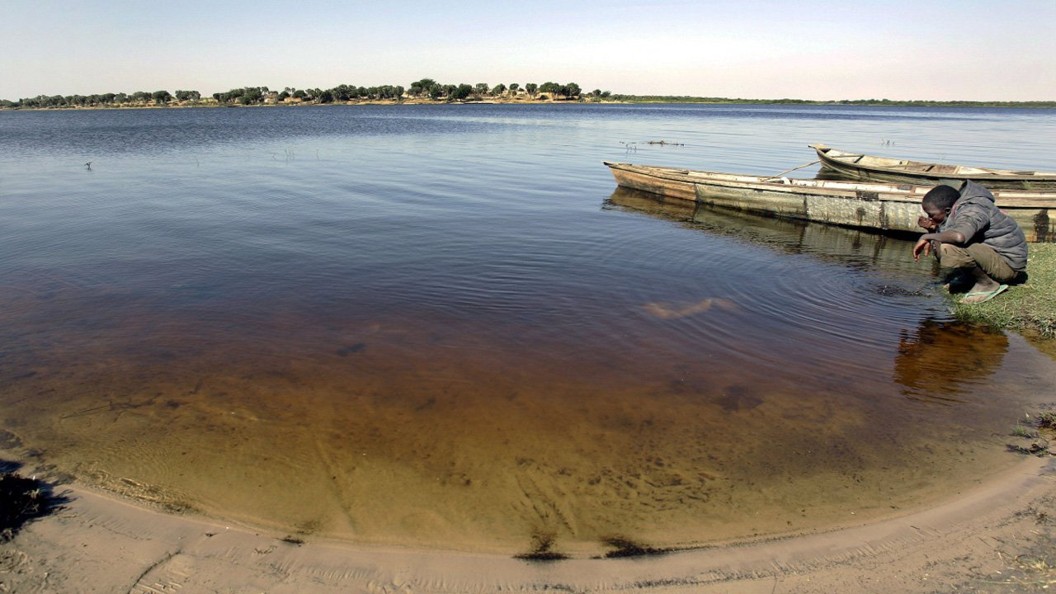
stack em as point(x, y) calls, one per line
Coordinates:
point(997, 537)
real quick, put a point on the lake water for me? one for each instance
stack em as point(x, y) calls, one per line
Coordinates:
point(443, 326)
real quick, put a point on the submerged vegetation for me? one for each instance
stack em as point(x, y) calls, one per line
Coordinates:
point(542, 549)
point(1029, 307)
point(1035, 434)
point(623, 547)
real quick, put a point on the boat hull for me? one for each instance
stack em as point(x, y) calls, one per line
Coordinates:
point(882, 207)
point(884, 169)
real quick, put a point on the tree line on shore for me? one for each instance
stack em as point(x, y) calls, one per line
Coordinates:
point(430, 90)
point(421, 90)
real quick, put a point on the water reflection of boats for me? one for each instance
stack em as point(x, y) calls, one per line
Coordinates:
point(883, 207)
point(870, 167)
point(849, 246)
point(944, 358)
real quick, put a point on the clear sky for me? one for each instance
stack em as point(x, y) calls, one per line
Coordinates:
point(764, 49)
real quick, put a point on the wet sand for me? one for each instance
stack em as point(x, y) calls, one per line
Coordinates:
point(100, 543)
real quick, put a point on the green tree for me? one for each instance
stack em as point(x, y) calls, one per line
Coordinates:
point(253, 95)
point(531, 89)
point(498, 90)
point(460, 92)
point(388, 92)
point(343, 92)
point(426, 86)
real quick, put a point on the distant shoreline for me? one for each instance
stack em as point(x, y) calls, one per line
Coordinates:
point(431, 92)
point(616, 100)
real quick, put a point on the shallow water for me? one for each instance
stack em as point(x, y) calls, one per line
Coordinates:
point(443, 326)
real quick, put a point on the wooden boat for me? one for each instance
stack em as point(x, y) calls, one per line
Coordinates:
point(882, 207)
point(867, 167)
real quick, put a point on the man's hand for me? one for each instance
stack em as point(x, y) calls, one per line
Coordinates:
point(923, 246)
point(926, 223)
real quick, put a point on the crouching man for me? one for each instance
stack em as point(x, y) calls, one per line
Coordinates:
point(968, 233)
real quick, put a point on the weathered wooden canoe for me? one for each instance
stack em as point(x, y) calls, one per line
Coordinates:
point(883, 207)
point(867, 167)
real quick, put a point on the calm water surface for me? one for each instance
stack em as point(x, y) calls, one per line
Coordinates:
point(443, 326)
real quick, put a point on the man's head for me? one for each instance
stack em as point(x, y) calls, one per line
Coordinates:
point(938, 202)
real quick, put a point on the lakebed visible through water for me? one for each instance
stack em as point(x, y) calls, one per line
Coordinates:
point(443, 326)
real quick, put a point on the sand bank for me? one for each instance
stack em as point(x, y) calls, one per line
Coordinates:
point(974, 542)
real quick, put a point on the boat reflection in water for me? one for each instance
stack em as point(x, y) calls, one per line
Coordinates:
point(854, 247)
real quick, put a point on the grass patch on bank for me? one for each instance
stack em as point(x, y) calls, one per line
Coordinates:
point(1029, 308)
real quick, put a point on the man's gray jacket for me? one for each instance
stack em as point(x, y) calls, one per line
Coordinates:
point(976, 216)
